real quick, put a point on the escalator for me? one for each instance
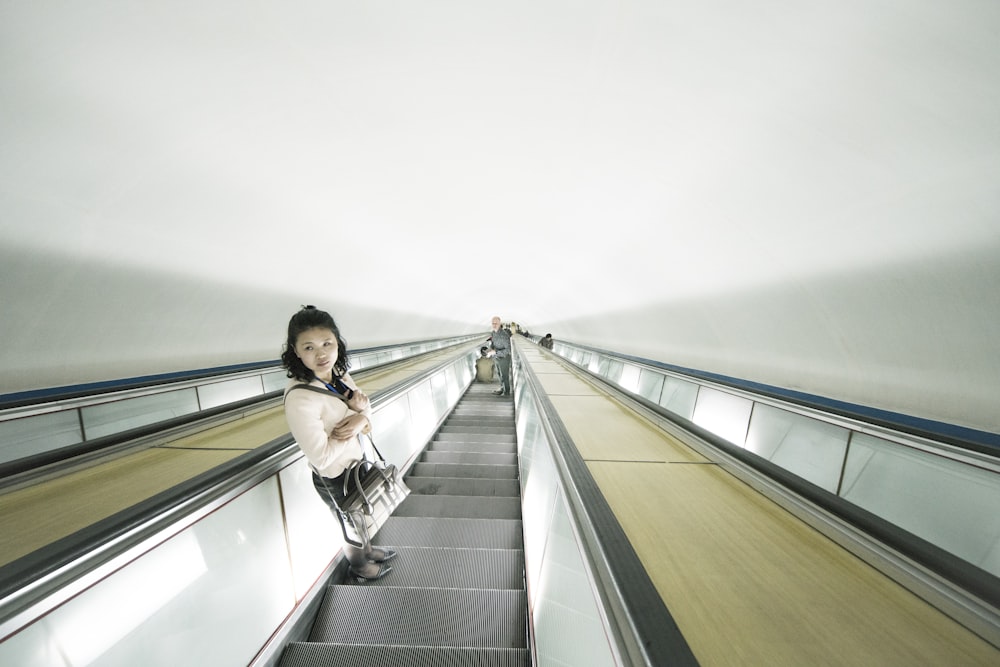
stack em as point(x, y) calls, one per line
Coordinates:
point(456, 594)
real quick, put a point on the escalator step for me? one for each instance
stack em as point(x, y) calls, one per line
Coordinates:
point(404, 531)
point(472, 436)
point(461, 412)
point(478, 420)
point(416, 567)
point(299, 654)
point(498, 428)
point(458, 446)
point(421, 617)
point(460, 507)
point(479, 458)
point(421, 469)
point(460, 486)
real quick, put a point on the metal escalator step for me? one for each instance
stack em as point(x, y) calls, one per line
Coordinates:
point(422, 617)
point(459, 446)
point(494, 429)
point(460, 486)
point(483, 458)
point(464, 470)
point(422, 567)
point(467, 436)
point(460, 507)
point(406, 531)
point(491, 408)
point(478, 420)
point(301, 654)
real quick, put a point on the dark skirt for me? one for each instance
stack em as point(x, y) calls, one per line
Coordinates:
point(327, 486)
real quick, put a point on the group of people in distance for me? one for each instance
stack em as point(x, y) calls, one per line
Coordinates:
point(498, 348)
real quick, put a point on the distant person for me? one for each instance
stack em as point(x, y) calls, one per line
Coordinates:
point(500, 350)
point(485, 367)
point(546, 341)
point(327, 419)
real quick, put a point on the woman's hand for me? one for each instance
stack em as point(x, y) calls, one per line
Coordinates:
point(350, 426)
point(359, 401)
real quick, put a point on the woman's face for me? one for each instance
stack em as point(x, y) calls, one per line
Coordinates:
point(317, 348)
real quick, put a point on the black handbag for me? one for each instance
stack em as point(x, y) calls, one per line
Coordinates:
point(372, 490)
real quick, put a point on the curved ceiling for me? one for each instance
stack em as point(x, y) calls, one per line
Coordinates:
point(710, 143)
point(546, 160)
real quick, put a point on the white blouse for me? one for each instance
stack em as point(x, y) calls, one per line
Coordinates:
point(312, 417)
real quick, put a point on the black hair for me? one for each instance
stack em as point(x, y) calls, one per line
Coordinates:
point(311, 317)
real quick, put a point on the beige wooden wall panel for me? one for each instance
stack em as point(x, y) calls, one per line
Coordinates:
point(38, 515)
point(747, 583)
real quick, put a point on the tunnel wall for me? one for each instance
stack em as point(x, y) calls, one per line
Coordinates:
point(917, 338)
point(72, 321)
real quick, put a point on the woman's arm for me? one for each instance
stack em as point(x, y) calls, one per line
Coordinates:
point(306, 424)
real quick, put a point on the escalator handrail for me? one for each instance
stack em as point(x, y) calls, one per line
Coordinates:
point(643, 627)
point(38, 575)
point(966, 576)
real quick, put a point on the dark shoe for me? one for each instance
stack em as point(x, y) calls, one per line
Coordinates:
point(382, 571)
point(498, 392)
point(387, 555)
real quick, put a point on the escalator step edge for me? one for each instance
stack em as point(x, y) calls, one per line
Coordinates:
point(299, 654)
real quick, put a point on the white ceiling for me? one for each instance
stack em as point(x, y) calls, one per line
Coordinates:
point(685, 146)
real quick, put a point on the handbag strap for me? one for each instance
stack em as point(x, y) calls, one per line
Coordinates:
point(325, 392)
point(356, 473)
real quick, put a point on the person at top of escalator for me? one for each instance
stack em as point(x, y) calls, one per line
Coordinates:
point(546, 341)
point(327, 431)
point(500, 350)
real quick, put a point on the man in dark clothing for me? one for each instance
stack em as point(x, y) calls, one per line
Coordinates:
point(500, 342)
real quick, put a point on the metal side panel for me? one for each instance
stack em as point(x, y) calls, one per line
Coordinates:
point(339, 655)
point(422, 617)
point(400, 531)
point(460, 507)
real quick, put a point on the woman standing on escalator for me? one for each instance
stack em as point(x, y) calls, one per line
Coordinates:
point(327, 419)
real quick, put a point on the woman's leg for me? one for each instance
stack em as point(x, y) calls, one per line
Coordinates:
point(361, 558)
